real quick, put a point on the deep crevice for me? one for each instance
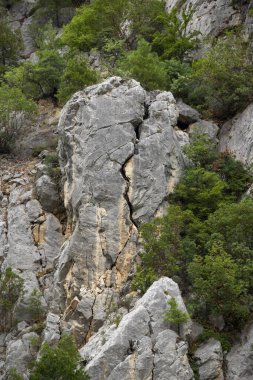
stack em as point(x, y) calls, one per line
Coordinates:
point(125, 194)
point(146, 111)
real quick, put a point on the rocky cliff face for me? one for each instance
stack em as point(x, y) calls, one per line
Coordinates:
point(114, 179)
point(121, 154)
point(210, 17)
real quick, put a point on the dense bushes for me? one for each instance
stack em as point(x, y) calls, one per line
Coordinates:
point(11, 288)
point(12, 101)
point(205, 240)
point(59, 363)
point(222, 81)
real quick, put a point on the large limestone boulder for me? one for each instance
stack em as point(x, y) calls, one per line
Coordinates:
point(120, 158)
point(142, 346)
point(236, 136)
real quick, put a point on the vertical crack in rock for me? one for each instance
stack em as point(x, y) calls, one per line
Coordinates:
point(89, 331)
point(137, 130)
point(126, 192)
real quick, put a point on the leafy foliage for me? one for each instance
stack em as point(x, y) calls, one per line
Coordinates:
point(12, 100)
point(222, 81)
point(113, 19)
point(217, 283)
point(11, 288)
point(205, 240)
point(201, 151)
point(10, 45)
point(76, 76)
point(145, 66)
point(52, 9)
point(200, 191)
point(237, 176)
point(174, 314)
point(174, 41)
point(35, 307)
point(14, 375)
point(59, 363)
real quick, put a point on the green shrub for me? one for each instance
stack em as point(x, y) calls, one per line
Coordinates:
point(11, 288)
point(200, 191)
point(14, 375)
point(35, 308)
point(53, 169)
point(59, 363)
point(218, 286)
point(112, 19)
point(174, 40)
point(238, 177)
point(163, 248)
point(52, 8)
point(222, 81)
point(202, 151)
point(174, 315)
point(10, 44)
point(12, 100)
point(145, 66)
point(76, 76)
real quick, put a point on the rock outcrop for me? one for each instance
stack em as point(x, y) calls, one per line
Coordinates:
point(239, 360)
point(210, 17)
point(120, 159)
point(30, 239)
point(209, 358)
point(142, 346)
point(236, 136)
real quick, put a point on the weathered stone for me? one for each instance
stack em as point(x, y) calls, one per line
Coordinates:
point(170, 359)
point(239, 360)
point(22, 254)
point(209, 358)
point(51, 333)
point(141, 347)
point(47, 193)
point(34, 209)
point(20, 353)
point(115, 178)
point(187, 114)
point(204, 127)
point(210, 17)
point(236, 136)
point(50, 239)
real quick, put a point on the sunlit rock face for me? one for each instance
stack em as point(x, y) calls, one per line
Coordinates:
point(120, 159)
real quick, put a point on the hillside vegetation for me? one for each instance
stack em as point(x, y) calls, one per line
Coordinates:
point(137, 39)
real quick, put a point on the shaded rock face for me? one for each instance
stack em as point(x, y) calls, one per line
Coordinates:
point(120, 159)
point(236, 136)
point(142, 346)
point(239, 360)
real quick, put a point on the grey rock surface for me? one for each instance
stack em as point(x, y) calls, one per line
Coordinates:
point(204, 127)
point(120, 158)
point(239, 360)
point(187, 114)
point(47, 193)
point(210, 17)
point(30, 240)
point(20, 353)
point(236, 136)
point(142, 346)
point(209, 358)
